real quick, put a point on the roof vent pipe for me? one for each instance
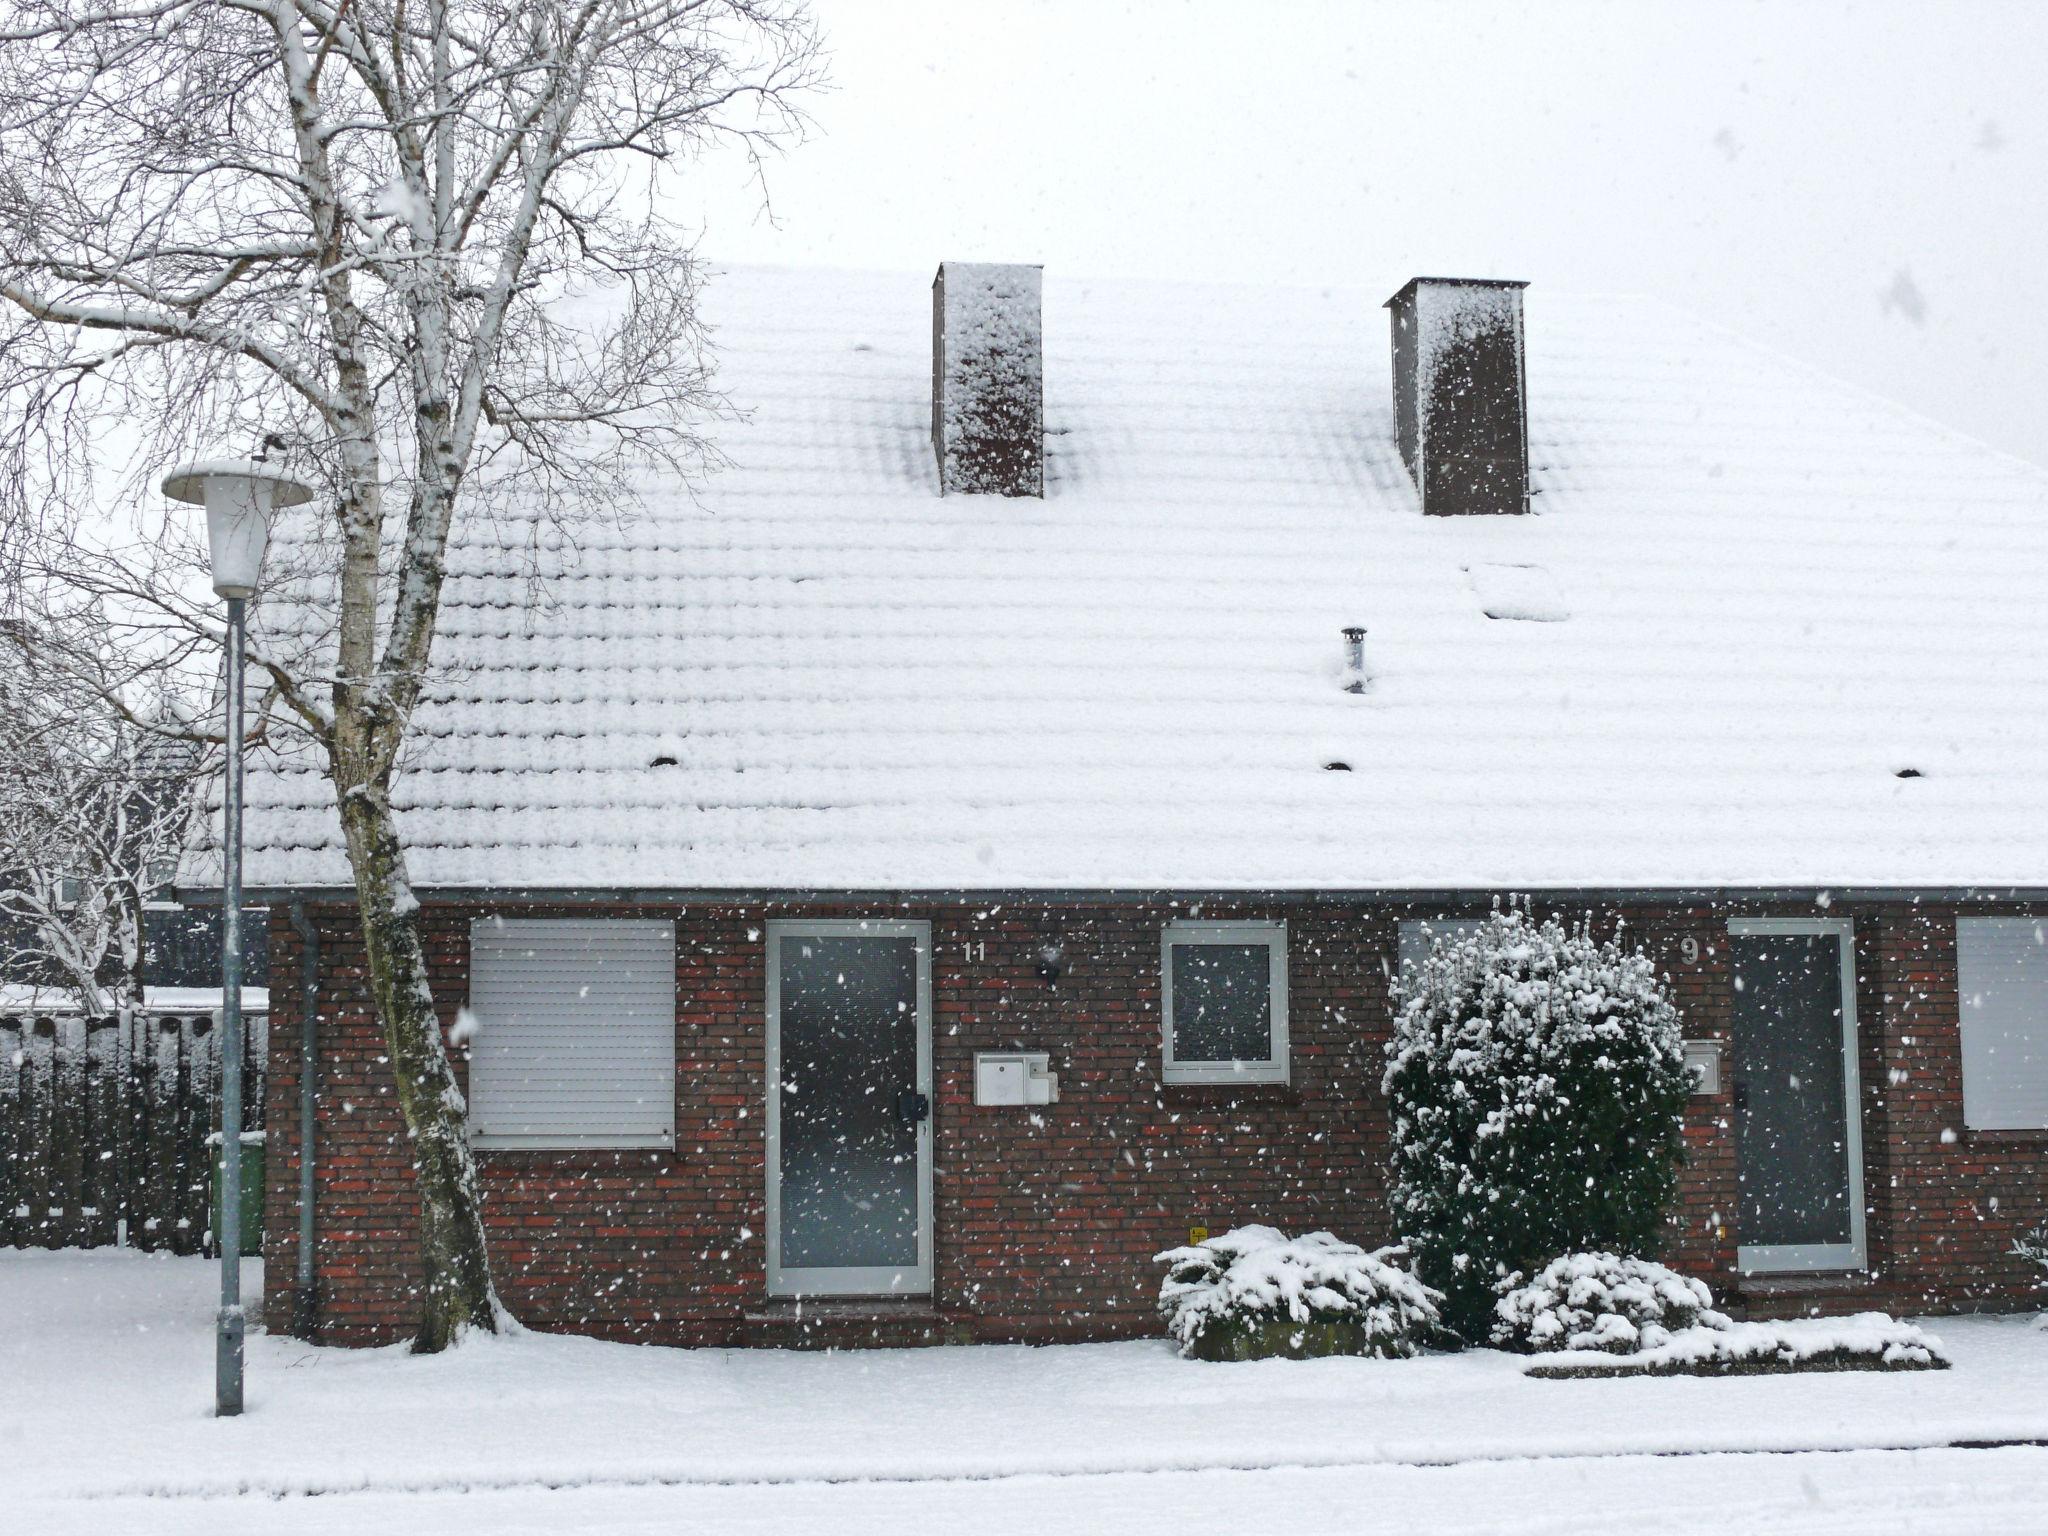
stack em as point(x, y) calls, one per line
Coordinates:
point(1460, 397)
point(988, 378)
point(1355, 675)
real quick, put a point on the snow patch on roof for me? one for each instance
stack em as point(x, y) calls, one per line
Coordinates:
point(1518, 592)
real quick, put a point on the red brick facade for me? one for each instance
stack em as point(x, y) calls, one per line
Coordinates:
point(1046, 1221)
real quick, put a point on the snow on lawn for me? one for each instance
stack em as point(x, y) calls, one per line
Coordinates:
point(107, 1363)
point(1981, 1493)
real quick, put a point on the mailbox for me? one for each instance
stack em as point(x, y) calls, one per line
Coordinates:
point(1014, 1077)
point(1703, 1061)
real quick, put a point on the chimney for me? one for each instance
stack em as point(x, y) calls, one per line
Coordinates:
point(1460, 396)
point(988, 378)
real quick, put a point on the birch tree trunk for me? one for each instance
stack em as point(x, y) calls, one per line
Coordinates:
point(457, 1291)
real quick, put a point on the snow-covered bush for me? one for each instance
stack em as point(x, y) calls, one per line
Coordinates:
point(1256, 1292)
point(1869, 1341)
point(1537, 1078)
point(1597, 1314)
point(2033, 1246)
point(1601, 1302)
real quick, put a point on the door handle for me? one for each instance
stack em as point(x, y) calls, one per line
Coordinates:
point(912, 1106)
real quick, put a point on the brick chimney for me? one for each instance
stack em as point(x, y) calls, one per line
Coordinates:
point(988, 378)
point(1460, 396)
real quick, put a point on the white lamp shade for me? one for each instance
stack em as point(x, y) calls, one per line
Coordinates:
point(240, 496)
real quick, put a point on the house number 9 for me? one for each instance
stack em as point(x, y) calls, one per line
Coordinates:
point(1689, 949)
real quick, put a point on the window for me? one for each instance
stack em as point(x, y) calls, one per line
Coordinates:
point(575, 1044)
point(159, 877)
point(1419, 935)
point(1224, 993)
point(2002, 986)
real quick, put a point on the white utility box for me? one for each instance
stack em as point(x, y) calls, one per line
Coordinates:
point(1014, 1077)
point(1703, 1060)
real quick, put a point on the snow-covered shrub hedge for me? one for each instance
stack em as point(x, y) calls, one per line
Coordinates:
point(1536, 1077)
point(1600, 1302)
point(1255, 1292)
point(1870, 1341)
point(2033, 1246)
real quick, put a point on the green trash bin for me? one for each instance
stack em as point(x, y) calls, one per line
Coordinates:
point(253, 1155)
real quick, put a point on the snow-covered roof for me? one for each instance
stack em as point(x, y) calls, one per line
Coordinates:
point(1749, 598)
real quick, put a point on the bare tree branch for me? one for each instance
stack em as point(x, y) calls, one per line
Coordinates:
point(98, 788)
point(425, 248)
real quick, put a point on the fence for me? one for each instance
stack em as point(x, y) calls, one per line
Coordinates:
point(106, 1130)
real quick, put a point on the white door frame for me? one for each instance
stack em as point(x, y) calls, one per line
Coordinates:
point(859, 1281)
point(1784, 1258)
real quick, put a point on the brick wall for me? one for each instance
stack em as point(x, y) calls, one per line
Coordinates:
point(1953, 1199)
point(1046, 1220)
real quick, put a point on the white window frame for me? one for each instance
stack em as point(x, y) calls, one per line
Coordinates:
point(1275, 1068)
point(1791, 1258)
point(1984, 1107)
point(660, 1133)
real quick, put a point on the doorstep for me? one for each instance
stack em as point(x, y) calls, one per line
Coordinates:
point(852, 1322)
point(1807, 1293)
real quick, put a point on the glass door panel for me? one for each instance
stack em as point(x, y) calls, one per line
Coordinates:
point(1797, 1148)
point(849, 1106)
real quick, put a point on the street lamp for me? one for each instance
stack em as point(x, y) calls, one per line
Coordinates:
point(240, 497)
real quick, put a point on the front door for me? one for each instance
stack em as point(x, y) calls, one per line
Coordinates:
point(849, 1108)
point(1799, 1152)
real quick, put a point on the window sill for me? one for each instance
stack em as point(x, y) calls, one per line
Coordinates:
point(2027, 1136)
point(495, 1151)
point(1225, 1077)
point(1210, 1095)
point(1817, 1282)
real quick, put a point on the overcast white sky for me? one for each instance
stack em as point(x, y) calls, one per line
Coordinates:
point(1864, 185)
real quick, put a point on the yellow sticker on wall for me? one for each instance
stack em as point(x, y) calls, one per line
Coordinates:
point(1198, 1235)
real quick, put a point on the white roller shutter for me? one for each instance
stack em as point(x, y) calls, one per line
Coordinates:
point(2002, 984)
point(576, 1033)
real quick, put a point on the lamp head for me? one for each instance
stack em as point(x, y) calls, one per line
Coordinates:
point(240, 496)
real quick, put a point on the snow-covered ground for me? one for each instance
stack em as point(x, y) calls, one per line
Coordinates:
point(105, 1388)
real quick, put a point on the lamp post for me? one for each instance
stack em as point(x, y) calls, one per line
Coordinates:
point(240, 497)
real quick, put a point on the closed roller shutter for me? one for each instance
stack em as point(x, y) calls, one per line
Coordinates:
point(576, 1033)
point(2002, 982)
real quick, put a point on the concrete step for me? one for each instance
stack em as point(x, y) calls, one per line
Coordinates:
point(1757, 1298)
point(852, 1323)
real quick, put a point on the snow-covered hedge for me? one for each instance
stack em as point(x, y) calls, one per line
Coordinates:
point(1597, 1314)
point(1537, 1079)
point(1601, 1302)
point(1256, 1292)
point(2033, 1246)
point(1870, 1341)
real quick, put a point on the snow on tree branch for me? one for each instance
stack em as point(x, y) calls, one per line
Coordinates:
point(95, 806)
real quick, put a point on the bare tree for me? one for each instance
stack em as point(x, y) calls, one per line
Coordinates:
point(95, 804)
point(364, 231)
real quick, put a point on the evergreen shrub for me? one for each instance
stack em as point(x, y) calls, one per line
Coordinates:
point(1537, 1078)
